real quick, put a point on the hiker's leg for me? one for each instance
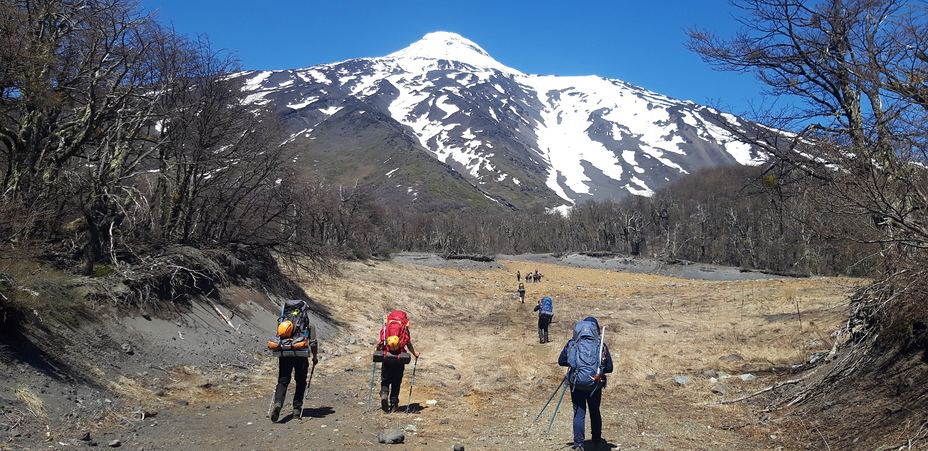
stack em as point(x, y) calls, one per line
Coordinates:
point(300, 370)
point(283, 379)
point(391, 378)
point(385, 380)
point(384, 386)
point(547, 322)
point(397, 382)
point(596, 419)
point(541, 329)
point(578, 399)
point(392, 373)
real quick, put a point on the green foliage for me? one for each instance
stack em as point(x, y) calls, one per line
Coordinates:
point(102, 270)
point(33, 291)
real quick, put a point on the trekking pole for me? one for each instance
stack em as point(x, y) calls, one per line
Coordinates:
point(599, 363)
point(558, 406)
point(309, 383)
point(383, 321)
point(371, 393)
point(411, 383)
point(552, 397)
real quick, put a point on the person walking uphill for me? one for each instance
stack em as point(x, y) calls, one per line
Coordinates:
point(589, 360)
point(545, 309)
point(295, 341)
point(394, 342)
point(522, 292)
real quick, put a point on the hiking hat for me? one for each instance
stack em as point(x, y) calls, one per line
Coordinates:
point(592, 320)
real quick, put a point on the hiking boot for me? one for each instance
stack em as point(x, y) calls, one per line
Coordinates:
point(394, 403)
point(275, 412)
point(297, 413)
point(384, 403)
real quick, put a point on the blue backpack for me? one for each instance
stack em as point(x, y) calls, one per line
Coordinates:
point(547, 307)
point(584, 359)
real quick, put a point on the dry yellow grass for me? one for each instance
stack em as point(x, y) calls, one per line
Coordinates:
point(481, 353)
point(32, 402)
point(483, 377)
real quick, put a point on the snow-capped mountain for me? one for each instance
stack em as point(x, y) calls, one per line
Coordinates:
point(513, 138)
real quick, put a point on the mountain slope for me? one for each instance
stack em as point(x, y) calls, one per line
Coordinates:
point(514, 139)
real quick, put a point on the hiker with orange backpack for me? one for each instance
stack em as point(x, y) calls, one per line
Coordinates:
point(294, 343)
point(392, 351)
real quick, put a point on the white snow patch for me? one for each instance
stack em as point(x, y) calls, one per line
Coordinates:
point(255, 82)
point(331, 110)
point(303, 104)
point(449, 108)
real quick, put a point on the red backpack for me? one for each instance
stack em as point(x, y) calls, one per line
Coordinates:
point(394, 335)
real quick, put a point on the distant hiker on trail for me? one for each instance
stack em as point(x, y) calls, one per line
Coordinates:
point(545, 309)
point(394, 341)
point(518, 276)
point(522, 292)
point(295, 340)
point(589, 360)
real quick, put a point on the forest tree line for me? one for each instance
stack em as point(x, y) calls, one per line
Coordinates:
point(725, 216)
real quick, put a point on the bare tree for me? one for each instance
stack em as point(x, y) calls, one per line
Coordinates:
point(856, 71)
point(126, 130)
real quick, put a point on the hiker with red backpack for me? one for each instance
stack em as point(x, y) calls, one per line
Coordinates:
point(294, 343)
point(589, 360)
point(392, 351)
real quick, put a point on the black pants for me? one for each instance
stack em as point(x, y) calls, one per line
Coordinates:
point(543, 322)
point(300, 367)
point(391, 376)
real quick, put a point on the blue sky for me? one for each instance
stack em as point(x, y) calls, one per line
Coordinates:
point(639, 42)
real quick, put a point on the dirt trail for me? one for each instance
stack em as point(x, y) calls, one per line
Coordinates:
point(483, 376)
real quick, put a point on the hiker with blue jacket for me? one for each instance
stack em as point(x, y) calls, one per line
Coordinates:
point(589, 360)
point(545, 309)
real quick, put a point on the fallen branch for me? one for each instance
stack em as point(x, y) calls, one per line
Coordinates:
point(732, 401)
point(221, 315)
